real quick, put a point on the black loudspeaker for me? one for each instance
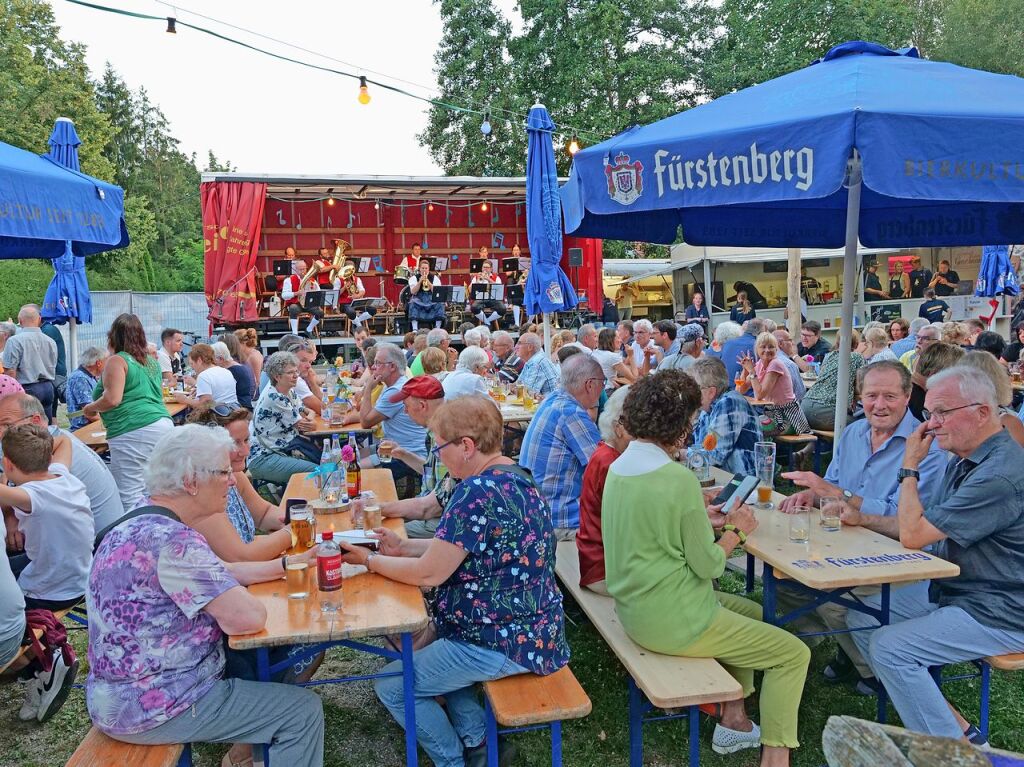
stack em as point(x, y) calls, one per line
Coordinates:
point(575, 256)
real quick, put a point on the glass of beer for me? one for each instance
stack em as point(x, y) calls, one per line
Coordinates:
point(831, 508)
point(764, 461)
point(297, 575)
point(520, 393)
point(384, 450)
point(372, 515)
point(799, 524)
point(303, 527)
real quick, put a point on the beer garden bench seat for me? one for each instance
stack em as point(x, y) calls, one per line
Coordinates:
point(666, 682)
point(794, 442)
point(1008, 662)
point(99, 750)
point(532, 702)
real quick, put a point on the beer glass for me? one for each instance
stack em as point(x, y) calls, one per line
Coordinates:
point(372, 515)
point(297, 575)
point(303, 527)
point(384, 449)
point(799, 524)
point(831, 507)
point(764, 461)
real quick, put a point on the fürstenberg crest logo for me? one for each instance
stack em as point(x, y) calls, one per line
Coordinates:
point(625, 179)
point(712, 170)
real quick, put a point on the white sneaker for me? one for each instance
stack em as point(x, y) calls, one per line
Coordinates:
point(30, 707)
point(726, 741)
point(55, 686)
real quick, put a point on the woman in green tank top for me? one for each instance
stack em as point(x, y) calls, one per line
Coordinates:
point(129, 399)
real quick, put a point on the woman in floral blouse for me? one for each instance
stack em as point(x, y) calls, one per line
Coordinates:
point(497, 608)
point(278, 420)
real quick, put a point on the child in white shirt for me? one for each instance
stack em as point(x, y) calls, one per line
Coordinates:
point(52, 515)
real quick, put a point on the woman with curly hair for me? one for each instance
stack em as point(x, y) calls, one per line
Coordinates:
point(130, 401)
point(251, 354)
point(661, 559)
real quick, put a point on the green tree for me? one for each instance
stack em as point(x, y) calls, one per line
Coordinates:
point(762, 39)
point(129, 268)
point(984, 34)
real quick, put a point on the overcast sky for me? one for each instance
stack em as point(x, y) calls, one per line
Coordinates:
point(271, 116)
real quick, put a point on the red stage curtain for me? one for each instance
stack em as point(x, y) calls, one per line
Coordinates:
point(232, 216)
point(590, 276)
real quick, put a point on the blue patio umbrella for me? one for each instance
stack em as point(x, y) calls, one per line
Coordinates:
point(67, 298)
point(866, 143)
point(547, 288)
point(995, 275)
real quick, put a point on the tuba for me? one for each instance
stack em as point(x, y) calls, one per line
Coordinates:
point(312, 272)
point(348, 279)
point(338, 263)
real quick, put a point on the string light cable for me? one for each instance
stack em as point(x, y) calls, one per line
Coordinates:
point(483, 110)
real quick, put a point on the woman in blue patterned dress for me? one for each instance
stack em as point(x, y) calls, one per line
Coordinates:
point(232, 536)
point(497, 608)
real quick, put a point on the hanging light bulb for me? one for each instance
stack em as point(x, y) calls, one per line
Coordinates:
point(364, 91)
point(483, 207)
point(170, 25)
point(574, 145)
point(485, 126)
point(430, 207)
point(376, 205)
point(330, 200)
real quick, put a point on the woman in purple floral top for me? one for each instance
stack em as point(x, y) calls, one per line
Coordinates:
point(497, 607)
point(160, 603)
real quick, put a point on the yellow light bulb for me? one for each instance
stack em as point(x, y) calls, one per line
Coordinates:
point(574, 146)
point(483, 207)
point(364, 91)
point(330, 201)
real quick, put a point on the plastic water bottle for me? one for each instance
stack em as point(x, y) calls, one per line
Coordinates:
point(336, 451)
point(325, 459)
point(325, 402)
point(328, 575)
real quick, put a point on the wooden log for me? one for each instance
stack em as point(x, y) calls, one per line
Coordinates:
point(851, 742)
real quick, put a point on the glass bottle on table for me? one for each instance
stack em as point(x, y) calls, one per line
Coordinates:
point(325, 462)
point(353, 473)
point(325, 405)
point(328, 575)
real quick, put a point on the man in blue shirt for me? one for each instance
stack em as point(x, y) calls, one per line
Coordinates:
point(82, 381)
point(727, 414)
point(561, 438)
point(863, 473)
point(735, 348)
point(539, 374)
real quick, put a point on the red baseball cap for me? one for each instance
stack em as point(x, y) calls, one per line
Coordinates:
point(423, 387)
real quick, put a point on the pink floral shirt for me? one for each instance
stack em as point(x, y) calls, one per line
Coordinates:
point(153, 652)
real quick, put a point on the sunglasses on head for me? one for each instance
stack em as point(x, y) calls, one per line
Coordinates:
point(222, 410)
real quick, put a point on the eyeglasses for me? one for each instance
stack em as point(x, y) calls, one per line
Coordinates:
point(436, 450)
point(222, 410)
point(940, 415)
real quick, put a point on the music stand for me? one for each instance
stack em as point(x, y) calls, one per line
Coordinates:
point(449, 294)
point(510, 265)
point(282, 268)
point(367, 302)
point(330, 298)
point(514, 294)
point(315, 299)
point(433, 264)
point(487, 292)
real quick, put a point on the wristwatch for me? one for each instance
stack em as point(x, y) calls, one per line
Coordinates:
point(902, 474)
point(847, 496)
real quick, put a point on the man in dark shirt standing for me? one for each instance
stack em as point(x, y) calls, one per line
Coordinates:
point(919, 278)
point(872, 285)
point(933, 309)
point(946, 281)
point(976, 521)
point(753, 294)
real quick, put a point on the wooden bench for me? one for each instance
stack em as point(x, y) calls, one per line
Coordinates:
point(794, 442)
point(99, 750)
point(1008, 662)
point(532, 702)
point(667, 682)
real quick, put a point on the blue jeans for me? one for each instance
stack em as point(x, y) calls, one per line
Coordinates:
point(277, 468)
point(449, 668)
point(921, 635)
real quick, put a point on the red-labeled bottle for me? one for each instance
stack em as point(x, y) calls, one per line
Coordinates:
point(328, 574)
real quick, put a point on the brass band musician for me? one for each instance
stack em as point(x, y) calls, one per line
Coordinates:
point(349, 286)
point(293, 294)
point(422, 306)
point(518, 277)
point(487, 310)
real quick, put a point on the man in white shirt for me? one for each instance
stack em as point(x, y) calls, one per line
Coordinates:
point(169, 355)
point(586, 339)
point(487, 310)
point(467, 378)
point(293, 297)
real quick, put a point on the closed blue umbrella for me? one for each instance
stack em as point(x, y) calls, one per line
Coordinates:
point(547, 288)
point(67, 297)
point(866, 143)
point(995, 275)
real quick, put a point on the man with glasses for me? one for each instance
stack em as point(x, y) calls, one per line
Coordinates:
point(926, 336)
point(864, 474)
point(389, 368)
point(539, 373)
point(726, 414)
point(975, 520)
point(86, 465)
point(561, 438)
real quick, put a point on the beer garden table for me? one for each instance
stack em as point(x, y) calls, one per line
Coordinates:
point(372, 605)
point(830, 565)
point(94, 434)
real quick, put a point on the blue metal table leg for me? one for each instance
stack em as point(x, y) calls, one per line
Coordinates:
point(556, 744)
point(636, 724)
point(986, 681)
point(694, 712)
point(883, 696)
point(492, 734)
point(768, 603)
point(185, 760)
point(263, 674)
point(750, 573)
point(409, 692)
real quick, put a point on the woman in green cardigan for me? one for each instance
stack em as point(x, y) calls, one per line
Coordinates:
point(662, 556)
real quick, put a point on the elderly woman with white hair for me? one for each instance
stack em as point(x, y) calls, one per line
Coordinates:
point(213, 382)
point(468, 376)
point(614, 439)
point(279, 421)
point(227, 352)
point(156, 671)
point(724, 331)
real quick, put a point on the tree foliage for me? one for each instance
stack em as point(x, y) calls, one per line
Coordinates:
point(984, 34)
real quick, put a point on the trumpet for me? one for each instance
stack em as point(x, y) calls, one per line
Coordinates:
point(426, 284)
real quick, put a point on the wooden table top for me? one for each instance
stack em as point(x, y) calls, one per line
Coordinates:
point(372, 604)
point(852, 556)
point(95, 434)
point(323, 428)
point(512, 411)
point(757, 402)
